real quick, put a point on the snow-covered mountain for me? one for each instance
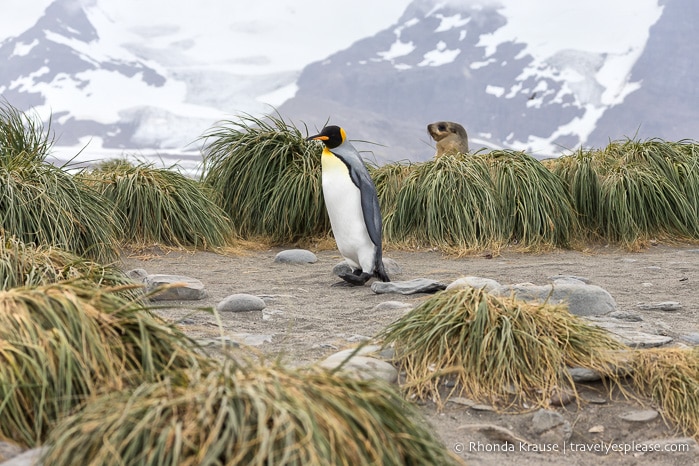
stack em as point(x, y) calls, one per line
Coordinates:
point(543, 75)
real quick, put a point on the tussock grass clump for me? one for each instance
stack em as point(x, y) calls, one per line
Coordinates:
point(449, 202)
point(537, 209)
point(670, 378)
point(388, 180)
point(22, 136)
point(254, 415)
point(161, 206)
point(502, 351)
point(268, 179)
point(633, 191)
point(29, 265)
point(43, 204)
point(60, 343)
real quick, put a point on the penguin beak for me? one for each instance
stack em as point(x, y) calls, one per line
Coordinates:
point(317, 137)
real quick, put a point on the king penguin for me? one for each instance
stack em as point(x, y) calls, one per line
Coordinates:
point(352, 205)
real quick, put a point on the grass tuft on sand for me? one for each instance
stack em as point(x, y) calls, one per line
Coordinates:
point(258, 414)
point(160, 206)
point(506, 352)
point(669, 377)
point(61, 343)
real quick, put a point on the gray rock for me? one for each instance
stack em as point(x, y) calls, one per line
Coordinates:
point(662, 306)
point(388, 306)
point(691, 338)
point(482, 407)
point(582, 300)
point(137, 275)
point(626, 316)
point(544, 420)
point(361, 365)
point(575, 278)
point(568, 281)
point(296, 256)
point(474, 282)
point(637, 338)
point(27, 458)
point(342, 268)
point(417, 285)
point(392, 268)
point(240, 302)
point(635, 335)
point(180, 288)
point(551, 427)
point(583, 374)
point(644, 415)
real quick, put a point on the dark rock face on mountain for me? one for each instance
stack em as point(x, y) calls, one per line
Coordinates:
point(667, 103)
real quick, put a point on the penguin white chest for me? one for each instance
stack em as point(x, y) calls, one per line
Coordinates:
point(344, 205)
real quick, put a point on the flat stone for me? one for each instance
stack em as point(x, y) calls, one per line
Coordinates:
point(241, 302)
point(361, 366)
point(544, 420)
point(662, 306)
point(180, 287)
point(417, 285)
point(595, 399)
point(638, 339)
point(388, 306)
point(581, 299)
point(295, 256)
point(629, 334)
point(482, 407)
point(486, 284)
point(583, 374)
point(564, 278)
point(363, 351)
point(645, 415)
point(691, 338)
point(551, 427)
point(626, 316)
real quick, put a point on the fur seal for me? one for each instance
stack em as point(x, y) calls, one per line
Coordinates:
point(451, 137)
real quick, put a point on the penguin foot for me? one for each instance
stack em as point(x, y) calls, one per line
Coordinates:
point(355, 280)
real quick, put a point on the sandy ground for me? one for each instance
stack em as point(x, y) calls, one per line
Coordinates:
point(307, 319)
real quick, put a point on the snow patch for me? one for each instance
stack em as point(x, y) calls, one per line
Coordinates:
point(497, 91)
point(451, 22)
point(397, 49)
point(439, 56)
point(21, 49)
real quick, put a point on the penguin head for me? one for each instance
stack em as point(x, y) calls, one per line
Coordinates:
point(332, 136)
